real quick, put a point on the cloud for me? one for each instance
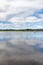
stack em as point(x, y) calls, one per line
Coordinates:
point(21, 11)
point(27, 19)
point(2, 16)
point(22, 25)
point(27, 3)
point(20, 8)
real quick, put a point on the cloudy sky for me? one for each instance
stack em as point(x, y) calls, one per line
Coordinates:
point(21, 14)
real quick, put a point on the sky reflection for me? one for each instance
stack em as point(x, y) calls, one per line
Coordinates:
point(21, 46)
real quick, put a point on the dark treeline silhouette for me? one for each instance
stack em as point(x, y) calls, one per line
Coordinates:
point(21, 30)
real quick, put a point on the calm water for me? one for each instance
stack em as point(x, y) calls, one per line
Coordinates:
point(21, 48)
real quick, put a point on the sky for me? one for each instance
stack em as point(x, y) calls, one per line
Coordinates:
point(18, 14)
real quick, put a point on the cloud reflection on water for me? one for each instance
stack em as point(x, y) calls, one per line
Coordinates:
point(18, 49)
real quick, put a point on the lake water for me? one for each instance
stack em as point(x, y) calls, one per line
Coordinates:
point(21, 48)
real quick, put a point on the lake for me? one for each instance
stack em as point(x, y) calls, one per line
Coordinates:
point(21, 48)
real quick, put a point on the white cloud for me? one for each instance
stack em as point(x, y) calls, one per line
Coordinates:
point(21, 10)
point(26, 3)
point(27, 19)
point(17, 6)
point(2, 16)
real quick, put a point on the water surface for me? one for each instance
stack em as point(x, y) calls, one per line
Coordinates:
point(21, 48)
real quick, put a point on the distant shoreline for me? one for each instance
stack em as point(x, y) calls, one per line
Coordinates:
point(22, 30)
